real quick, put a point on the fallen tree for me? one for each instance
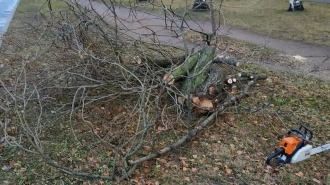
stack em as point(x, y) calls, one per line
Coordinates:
point(105, 103)
point(203, 78)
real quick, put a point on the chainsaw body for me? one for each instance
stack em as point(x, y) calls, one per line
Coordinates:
point(302, 154)
point(293, 148)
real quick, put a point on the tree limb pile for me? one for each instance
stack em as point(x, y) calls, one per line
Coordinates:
point(203, 78)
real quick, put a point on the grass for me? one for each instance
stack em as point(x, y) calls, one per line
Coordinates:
point(266, 17)
point(232, 150)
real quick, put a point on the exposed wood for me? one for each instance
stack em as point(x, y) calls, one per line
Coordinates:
point(233, 88)
point(208, 94)
point(202, 102)
point(229, 80)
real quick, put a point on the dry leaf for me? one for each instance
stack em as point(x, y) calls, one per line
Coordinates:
point(21, 170)
point(161, 128)
point(6, 168)
point(202, 160)
point(161, 160)
point(187, 179)
point(146, 170)
point(232, 146)
point(184, 169)
point(181, 100)
point(230, 117)
point(300, 174)
point(239, 152)
point(106, 173)
point(184, 164)
point(193, 169)
point(317, 181)
point(229, 171)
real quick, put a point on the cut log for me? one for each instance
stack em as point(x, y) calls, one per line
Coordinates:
point(220, 59)
point(252, 77)
point(246, 74)
point(163, 61)
point(203, 103)
point(229, 80)
point(200, 72)
point(181, 71)
point(214, 83)
point(208, 94)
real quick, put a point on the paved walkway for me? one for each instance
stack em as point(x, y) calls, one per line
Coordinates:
point(152, 28)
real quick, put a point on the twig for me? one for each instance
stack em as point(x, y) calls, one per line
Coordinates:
point(208, 120)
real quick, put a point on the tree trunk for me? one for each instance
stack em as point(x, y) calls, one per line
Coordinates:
point(214, 83)
point(199, 73)
point(209, 93)
point(181, 71)
point(163, 61)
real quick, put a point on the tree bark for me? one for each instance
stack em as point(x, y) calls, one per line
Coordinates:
point(225, 61)
point(199, 73)
point(164, 62)
point(214, 82)
point(208, 94)
point(181, 71)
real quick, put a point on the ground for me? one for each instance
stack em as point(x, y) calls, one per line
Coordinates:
point(232, 150)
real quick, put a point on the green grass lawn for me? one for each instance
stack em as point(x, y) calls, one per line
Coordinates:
point(267, 17)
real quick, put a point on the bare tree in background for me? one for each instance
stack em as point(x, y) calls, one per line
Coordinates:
point(93, 82)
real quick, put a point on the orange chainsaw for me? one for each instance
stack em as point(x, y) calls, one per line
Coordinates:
point(295, 147)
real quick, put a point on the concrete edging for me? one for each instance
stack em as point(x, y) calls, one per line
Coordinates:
point(6, 17)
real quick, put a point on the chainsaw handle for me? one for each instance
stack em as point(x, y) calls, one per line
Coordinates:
point(307, 134)
point(273, 156)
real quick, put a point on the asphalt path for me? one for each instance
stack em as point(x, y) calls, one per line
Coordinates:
point(153, 28)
